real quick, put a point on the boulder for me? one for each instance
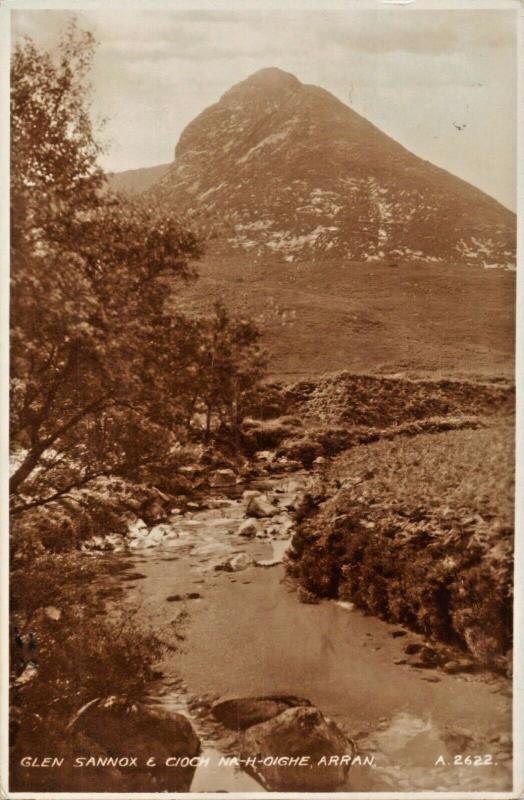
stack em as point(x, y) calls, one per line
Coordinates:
point(265, 485)
point(153, 511)
point(220, 502)
point(302, 732)
point(281, 527)
point(178, 598)
point(163, 531)
point(289, 501)
point(137, 529)
point(112, 542)
point(153, 537)
point(52, 612)
point(250, 528)
point(458, 740)
point(237, 563)
point(291, 465)
point(94, 543)
point(240, 713)
point(430, 657)
point(115, 541)
point(223, 477)
point(249, 493)
point(292, 486)
point(260, 507)
point(113, 722)
point(412, 648)
point(181, 485)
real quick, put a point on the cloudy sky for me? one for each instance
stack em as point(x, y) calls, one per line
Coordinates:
point(419, 75)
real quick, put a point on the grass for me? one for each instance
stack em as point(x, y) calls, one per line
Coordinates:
point(329, 315)
point(345, 398)
point(421, 533)
point(471, 470)
point(326, 416)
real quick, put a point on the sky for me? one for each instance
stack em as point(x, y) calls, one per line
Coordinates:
point(441, 82)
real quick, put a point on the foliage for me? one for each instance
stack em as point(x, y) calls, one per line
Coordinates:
point(105, 381)
point(218, 365)
point(472, 470)
point(53, 151)
point(81, 656)
point(106, 386)
point(351, 399)
point(421, 532)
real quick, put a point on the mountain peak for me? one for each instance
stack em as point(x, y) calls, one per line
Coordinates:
point(267, 80)
point(278, 166)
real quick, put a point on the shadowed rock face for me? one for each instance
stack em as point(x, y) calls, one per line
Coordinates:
point(299, 732)
point(243, 712)
point(113, 732)
point(279, 166)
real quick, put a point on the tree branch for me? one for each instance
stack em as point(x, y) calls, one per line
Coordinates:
point(39, 446)
point(61, 493)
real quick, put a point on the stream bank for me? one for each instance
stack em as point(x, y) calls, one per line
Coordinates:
point(246, 634)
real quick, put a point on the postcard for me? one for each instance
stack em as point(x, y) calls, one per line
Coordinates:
point(262, 400)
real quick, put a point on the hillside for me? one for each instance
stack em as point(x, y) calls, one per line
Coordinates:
point(277, 166)
point(447, 319)
point(135, 181)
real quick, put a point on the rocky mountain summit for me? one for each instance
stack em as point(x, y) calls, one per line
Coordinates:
point(277, 166)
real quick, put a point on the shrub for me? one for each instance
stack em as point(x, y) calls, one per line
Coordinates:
point(421, 534)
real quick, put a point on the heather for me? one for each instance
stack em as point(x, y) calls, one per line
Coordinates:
point(420, 531)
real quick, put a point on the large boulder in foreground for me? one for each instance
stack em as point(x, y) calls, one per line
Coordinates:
point(240, 713)
point(116, 727)
point(298, 732)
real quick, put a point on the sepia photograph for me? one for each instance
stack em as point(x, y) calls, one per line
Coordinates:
point(261, 270)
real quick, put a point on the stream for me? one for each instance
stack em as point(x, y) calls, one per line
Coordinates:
point(245, 633)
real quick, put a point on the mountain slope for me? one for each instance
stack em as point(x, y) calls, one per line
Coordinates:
point(279, 166)
point(319, 317)
point(135, 181)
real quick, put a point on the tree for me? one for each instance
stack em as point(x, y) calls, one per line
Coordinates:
point(214, 364)
point(90, 273)
point(231, 365)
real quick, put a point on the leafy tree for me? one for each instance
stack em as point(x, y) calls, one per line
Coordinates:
point(54, 152)
point(213, 364)
point(231, 365)
point(104, 381)
point(89, 276)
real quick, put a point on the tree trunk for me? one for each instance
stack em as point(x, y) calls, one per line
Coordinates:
point(24, 470)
